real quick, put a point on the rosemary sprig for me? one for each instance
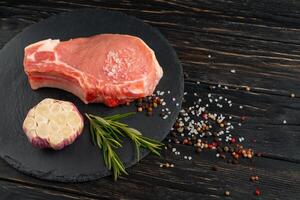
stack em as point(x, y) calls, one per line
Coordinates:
point(138, 139)
point(105, 134)
point(107, 142)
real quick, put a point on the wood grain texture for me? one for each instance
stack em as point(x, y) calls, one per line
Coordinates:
point(259, 39)
point(188, 180)
point(14, 190)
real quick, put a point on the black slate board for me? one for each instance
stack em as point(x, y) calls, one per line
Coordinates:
point(80, 161)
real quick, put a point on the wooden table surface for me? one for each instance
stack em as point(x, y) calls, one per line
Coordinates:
point(259, 39)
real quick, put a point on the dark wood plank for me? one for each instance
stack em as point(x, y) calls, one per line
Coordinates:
point(259, 39)
point(187, 180)
point(15, 191)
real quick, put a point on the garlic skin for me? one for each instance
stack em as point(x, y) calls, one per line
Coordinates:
point(53, 124)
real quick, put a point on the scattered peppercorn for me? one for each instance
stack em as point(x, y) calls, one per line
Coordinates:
point(176, 125)
point(205, 116)
point(197, 127)
point(226, 149)
point(227, 193)
point(185, 141)
point(180, 129)
point(148, 104)
point(249, 155)
point(149, 109)
point(236, 156)
point(198, 144)
point(158, 101)
point(233, 140)
point(194, 138)
point(166, 165)
point(257, 192)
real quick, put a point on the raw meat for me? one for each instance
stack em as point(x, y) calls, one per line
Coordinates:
point(108, 68)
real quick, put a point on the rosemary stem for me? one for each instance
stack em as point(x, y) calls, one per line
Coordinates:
point(105, 134)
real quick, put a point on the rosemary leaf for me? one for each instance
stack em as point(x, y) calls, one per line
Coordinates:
point(107, 142)
point(118, 116)
point(105, 134)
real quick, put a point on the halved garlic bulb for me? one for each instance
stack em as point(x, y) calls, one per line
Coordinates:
point(53, 124)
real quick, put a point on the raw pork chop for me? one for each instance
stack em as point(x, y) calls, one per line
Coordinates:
point(108, 68)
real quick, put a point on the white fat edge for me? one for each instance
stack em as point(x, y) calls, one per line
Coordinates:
point(125, 82)
point(48, 45)
point(137, 91)
point(141, 91)
point(134, 91)
point(36, 43)
point(31, 56)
